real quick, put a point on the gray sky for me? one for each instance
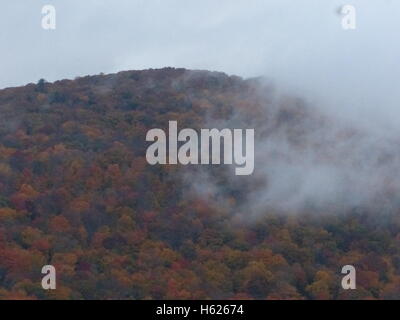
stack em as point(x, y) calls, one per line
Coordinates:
point(298, 43)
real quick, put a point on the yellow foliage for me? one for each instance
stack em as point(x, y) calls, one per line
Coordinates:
point(8, 213)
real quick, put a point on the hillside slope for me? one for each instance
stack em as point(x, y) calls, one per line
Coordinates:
point(76, 192)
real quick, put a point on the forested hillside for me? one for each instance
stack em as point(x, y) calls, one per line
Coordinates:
point(76, 192)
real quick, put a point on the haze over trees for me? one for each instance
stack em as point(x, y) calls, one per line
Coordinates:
point(76, 192)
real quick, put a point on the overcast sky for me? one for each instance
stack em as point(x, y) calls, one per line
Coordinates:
point(298, 43)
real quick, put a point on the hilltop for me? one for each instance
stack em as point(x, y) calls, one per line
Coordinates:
point(76, 192)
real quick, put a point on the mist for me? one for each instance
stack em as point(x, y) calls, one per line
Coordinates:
point(346, 146)
point(306, 160)
point(301, 45)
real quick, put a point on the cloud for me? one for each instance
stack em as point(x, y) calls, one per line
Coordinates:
point(351, 77)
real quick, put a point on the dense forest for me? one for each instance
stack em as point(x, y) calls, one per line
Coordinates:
point(76, 192)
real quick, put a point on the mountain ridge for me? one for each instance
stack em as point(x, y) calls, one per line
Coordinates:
point(77, 192)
